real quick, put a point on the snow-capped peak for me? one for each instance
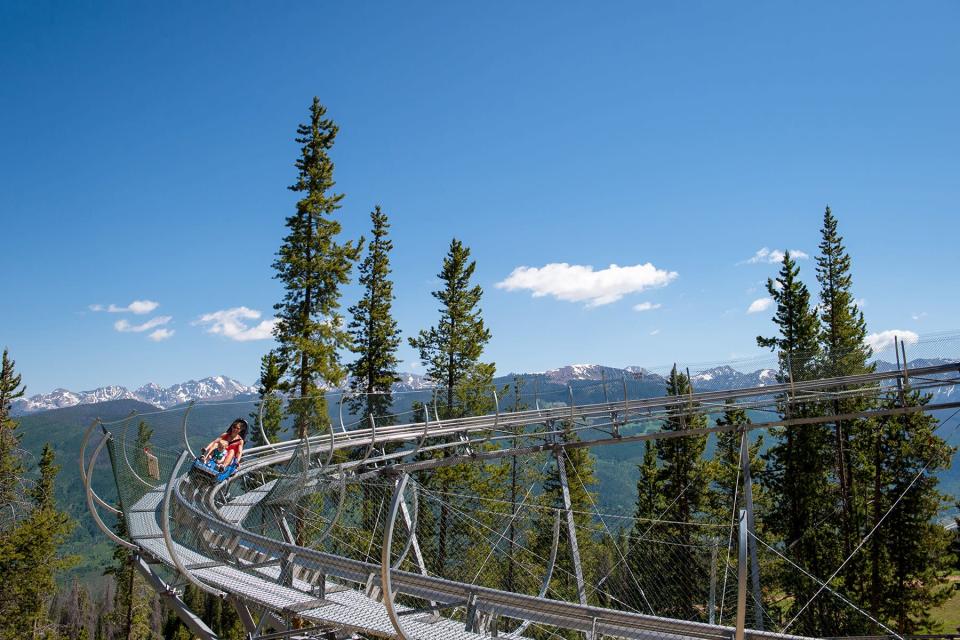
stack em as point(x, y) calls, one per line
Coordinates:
point(212, 388)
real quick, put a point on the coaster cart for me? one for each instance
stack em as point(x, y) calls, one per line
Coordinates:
point(210, 472)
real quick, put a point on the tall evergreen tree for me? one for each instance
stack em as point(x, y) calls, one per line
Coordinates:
point(685, 479)
point(650, 499)
point(453, 347)
point(796, 343)
point(909, 554)
point(798, 477)
point(313, 264)
point(10, 465)
point(373, 329)
point(844, 352)
point(842, 326)
point(450, 352)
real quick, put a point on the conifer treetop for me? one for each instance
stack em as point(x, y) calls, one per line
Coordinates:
point(797, 322)
point(842, 325)
point(451, 348)
point(313, 265)
point(373, 330)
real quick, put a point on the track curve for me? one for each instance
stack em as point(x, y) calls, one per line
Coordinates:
point(208, 534)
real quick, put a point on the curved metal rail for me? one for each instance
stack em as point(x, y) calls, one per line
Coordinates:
point(296, 596)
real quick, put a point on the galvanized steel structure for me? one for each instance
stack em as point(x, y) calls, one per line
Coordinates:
point(218, 538)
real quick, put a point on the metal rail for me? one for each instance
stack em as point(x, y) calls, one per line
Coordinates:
point(440, 592)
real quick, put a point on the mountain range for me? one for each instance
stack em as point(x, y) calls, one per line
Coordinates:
point(722, 377)
point(221, 388)
point(213, 388)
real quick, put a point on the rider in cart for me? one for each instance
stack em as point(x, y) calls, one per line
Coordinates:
point(226, 448)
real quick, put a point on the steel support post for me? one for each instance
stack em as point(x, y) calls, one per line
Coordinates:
point(571, 526)
point(193, 622)
point(906, 372)
point(712, 606)
point(385, 559)
point(751, 529)
point(246, 618)
point(896, 352)
point(414, 543)
point(742, 577)
point(285, 576)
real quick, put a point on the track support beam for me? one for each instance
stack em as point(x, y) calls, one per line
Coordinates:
point(751, 529)
point(571, 526)
point(193, 622)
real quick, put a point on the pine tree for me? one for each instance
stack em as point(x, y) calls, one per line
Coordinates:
point(451, 354)
point(638, 585)
point(725, 472)
point(910, 558)
point(842, 326)
point(453, 347)
point(31, 559)
point(684, 478)
point(844, 352)
point(313, 265)
point(650, 499)
point(269, 407)
point(798, 477)
point(796, 345)
point(10, 466)
point(373, 329)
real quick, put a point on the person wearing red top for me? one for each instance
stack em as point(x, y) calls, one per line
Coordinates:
point(232, 442)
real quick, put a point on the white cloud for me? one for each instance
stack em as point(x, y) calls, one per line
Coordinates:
point(884, 339)
point(125, 327)
point(580, 283)
point(773, 256)
point(646, 306)
point(161, 334)
point(919, 316)
point(138, 307)
point(655, 332)
point(760, 304)
point(860, 302)
point(232, 323)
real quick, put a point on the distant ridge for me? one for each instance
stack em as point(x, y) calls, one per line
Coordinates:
point(212, 388)
point(222, 388)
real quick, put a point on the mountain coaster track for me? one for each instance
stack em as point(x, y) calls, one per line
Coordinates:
point(235, 540)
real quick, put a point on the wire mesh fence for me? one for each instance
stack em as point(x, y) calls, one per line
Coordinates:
point(514, 507)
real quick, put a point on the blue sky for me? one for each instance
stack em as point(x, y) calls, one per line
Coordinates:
point(146, 149)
